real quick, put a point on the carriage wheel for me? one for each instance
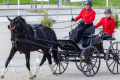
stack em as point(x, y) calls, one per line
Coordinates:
point(113, 58)
point(78, 64)
point(62, 66)
point(90, 61)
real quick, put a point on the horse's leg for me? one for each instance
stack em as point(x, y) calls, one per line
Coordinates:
point(46, 50)
point(50, 64)
point(55, 52)
point(12, 52)
point(27, 55)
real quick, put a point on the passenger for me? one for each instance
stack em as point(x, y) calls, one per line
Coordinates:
point(87, 16)
point(107, 23)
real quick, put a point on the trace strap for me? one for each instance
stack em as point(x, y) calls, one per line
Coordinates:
point(34, 43)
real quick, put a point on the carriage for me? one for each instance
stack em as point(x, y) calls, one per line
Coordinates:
point(88, 53)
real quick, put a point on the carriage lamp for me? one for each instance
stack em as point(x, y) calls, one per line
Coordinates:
point(82, 58)
point(108, 56)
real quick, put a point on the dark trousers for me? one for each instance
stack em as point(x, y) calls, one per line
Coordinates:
point(77, 33)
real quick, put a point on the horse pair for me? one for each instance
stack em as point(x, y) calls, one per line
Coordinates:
point(21, 30)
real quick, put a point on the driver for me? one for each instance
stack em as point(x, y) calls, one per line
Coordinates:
point(107, 23)
point(87, 16)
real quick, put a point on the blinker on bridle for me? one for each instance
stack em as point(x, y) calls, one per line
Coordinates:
point(12, 26)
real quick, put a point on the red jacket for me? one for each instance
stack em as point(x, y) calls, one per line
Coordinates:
point(88, 16)
point(107, 24)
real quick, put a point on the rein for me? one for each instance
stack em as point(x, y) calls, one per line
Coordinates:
point(67, 26)
point(23, 31)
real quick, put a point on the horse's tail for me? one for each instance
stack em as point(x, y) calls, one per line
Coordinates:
point(52, 37)
point(54, 53)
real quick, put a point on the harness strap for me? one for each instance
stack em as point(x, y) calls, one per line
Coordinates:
point(34, 43)
point(31, 42)
point(34, 31)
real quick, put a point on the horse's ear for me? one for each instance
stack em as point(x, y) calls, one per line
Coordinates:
point(8, 18)
point(17, 19)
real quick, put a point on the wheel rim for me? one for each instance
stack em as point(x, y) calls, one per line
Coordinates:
point(113, 58)
point(62, 65)
point(78, 63)
point(90, 61)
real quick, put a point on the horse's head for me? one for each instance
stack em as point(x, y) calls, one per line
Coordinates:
point(16, 26)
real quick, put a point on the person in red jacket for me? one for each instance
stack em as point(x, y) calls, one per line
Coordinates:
point(107, 23)
point(87, 16)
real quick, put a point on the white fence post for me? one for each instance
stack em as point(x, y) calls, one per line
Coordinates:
point(4, 1)
point(60, 3)
point(18, 7)
point(8, 4)
point(107, 3)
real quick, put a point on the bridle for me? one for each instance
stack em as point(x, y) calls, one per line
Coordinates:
point(16, 35)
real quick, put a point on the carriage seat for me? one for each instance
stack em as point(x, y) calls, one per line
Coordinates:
point(87, 36)
point(89, 31)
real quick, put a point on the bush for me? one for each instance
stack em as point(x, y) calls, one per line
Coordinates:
point(47, 21)
point(115, 15)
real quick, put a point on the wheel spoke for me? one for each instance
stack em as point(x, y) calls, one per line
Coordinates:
point(111, 63)
point(62, 66)
point(90, 70)
point(94, 65)
point(93, 69)
point(87, 68)
point(85, 65)
point(113, 67)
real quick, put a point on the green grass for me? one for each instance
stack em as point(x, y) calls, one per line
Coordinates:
point(98, 3)
point(21, 1)
point(54, 2)
point(38, 12)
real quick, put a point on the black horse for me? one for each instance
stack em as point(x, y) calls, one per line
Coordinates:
point(21, 30)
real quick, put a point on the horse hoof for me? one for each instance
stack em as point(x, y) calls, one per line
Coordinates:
point(31, 78)
point(2, 77)
point(54, 73)
point(34, 76)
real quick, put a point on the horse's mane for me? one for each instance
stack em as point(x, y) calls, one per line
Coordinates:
point(20, 18)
